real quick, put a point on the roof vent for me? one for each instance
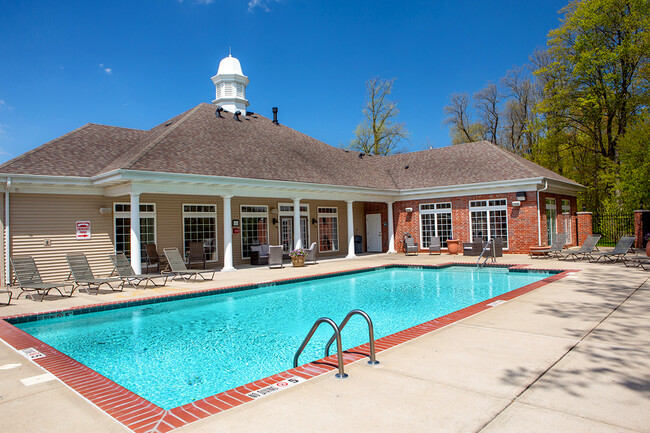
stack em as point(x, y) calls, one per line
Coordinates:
point(236, 115)
point(168, 123)
point(406, 168)
point(218, 112)
point(249, 113)
point(361, 155)
point(275, 115)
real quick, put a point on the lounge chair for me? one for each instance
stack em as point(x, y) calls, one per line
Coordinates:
point(260, 254)
point(178, 268)
point(7, 291)
point(29, 279)
point(83, 277)
point(275, 256)
point(555, 249)
point(153, 258)
point(636, 261)
point(126, 273)
point(410, 246)
point(197, 254)
point(311, 257)
point(587, 247)
point(474, 248)
point(622, 248)
point(434, 245)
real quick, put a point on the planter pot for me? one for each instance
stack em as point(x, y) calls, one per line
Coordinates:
point(298, 262)
point(647, 249)
point(453, 245)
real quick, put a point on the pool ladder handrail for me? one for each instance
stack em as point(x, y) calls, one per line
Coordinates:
point(337, 334)
point(371, 334)
point(488, 257)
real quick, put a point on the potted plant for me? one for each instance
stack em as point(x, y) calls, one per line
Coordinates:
point(298, 257)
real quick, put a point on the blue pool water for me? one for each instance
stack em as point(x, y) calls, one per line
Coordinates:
point(172, 353)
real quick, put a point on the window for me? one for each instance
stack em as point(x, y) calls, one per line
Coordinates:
point(254, 228)
point(200, 225)
point(435, 220)
point(489, 219)
point(122, 222)
point(286, 225)
point(551, 220)
point(566, 216)
point(328, 229)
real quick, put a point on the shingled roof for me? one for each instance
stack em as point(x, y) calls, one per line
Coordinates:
point(198, 142)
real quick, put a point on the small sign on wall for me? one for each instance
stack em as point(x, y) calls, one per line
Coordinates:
point(83, 229)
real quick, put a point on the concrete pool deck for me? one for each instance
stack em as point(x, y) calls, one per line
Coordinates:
point(572, 355)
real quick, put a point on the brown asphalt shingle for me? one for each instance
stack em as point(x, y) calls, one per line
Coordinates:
point(197, 142)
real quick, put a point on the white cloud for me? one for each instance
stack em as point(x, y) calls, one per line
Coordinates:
point(107, 70)
point(262, 4)
point(5, 106)
point(203, 2)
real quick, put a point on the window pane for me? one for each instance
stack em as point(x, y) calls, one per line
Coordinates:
point(201, 229)
point(253, 232)
point(499, 226)
point(479, 225)
point(444, 227)
point(428, 222)
point(286, 233)
point(328, 233)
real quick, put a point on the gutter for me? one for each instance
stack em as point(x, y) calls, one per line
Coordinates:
point(539, 215)
point(7, 246)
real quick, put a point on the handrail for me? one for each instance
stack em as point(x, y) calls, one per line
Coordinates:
point(371, 332)
point(339, 348)
point(492, 253)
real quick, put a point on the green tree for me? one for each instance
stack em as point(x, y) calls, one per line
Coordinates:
point(378, 134)
point(596, 83)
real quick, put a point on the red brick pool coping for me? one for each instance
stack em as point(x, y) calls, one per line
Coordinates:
point(140, 415)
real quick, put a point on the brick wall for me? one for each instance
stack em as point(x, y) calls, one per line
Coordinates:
point(522, 220)
point(584, 226)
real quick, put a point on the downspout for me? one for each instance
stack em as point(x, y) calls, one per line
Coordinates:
point(539, 215)
point(7, 247)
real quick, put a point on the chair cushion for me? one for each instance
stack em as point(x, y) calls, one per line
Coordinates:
point(264, 251)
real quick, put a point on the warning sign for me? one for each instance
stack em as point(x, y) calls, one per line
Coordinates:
point(83, 229)
point(287, 383)
point(31, 353)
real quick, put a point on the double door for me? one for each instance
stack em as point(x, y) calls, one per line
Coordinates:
point(286, 232)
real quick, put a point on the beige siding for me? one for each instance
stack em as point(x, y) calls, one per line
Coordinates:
point(360, 221)
point(35, 218)
point(3, 252)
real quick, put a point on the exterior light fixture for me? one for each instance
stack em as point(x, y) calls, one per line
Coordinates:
point(409, 209)
point(314, 221)
point(521, 196)
point(105, 210)
point(275, 221)
point(516, 203)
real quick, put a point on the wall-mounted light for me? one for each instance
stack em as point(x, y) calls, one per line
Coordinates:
point(521, 196)
point(409, 209)
point(516, 203)
point(105, 210)
point(274, 210)
point(314, 221)
point(275, 221)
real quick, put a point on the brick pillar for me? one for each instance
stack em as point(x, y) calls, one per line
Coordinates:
point(638, 227)
point(584, 226)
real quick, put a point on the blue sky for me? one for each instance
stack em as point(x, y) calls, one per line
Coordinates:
point(135, 64)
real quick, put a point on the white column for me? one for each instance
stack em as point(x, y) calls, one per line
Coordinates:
point(351, 254)
point(136, 260)
point(391, 230)
point(296, 223)
point(227, 235)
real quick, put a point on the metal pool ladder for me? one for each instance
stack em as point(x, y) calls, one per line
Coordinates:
point(491, 254)
point(337, 336)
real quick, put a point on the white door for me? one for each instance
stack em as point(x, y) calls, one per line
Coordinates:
point(373, 232)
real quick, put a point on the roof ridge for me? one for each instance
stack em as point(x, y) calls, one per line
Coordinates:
point(43, 146)
point(158, 139)
point(512, 157)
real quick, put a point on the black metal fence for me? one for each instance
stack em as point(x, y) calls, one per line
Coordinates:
point(612, 226)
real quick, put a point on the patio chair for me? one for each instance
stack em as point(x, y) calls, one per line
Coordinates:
point(434, 245)
point(275, 256)
point(29, 279)
point(153, 258)
point(83, 277)
point(636, 261)
point(410, 246)
point(622, 248)
point(587, 247)
point(555, 249)
point(126, 273)
point(197, 254)
point(311, 257)
point(498, 248)
point(260, 254)
point(178, 268)
point(474, 248)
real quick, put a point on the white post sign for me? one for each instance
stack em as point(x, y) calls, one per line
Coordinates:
point(83, 229)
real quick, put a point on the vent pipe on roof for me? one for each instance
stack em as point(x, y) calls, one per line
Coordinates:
point(236, 115)
point(275, 115)
point(218, 112)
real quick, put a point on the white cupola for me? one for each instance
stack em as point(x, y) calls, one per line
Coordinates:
point(231, 84)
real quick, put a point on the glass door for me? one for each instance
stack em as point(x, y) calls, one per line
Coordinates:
point(551, 220)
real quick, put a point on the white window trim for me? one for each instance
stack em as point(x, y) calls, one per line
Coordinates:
point(203, 214)
point(489, 208)
point(328, 215)
point(243, 215)
point(128, 215)
point(435, 220)
point(286, 213)
point(566, 206)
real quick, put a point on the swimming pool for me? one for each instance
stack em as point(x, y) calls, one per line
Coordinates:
point(172, 353)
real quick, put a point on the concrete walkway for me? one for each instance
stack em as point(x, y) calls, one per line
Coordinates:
point(573, 355)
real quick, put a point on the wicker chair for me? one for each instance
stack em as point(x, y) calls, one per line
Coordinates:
point(410, 246)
